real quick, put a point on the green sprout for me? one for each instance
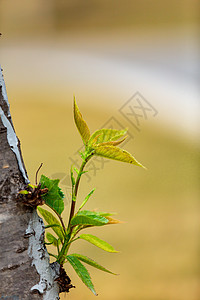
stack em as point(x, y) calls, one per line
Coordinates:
point(103, 142)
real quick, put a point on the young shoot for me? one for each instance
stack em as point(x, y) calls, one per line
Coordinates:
point(105, 143)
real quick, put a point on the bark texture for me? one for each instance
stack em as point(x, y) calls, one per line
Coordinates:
point(21, 266)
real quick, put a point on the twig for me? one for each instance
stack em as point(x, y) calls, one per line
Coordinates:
point(37, 173)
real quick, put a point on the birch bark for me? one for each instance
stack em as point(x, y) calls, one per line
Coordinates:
point(25, 272)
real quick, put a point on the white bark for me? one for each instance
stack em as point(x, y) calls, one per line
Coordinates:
point(25, 271)
point(40, 259)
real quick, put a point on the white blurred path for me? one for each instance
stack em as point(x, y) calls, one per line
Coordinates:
point(165, 74)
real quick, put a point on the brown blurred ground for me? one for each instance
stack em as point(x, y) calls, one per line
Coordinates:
point(38, 16)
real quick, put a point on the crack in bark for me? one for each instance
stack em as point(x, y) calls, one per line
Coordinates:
point(11, 267)
point(21, 249)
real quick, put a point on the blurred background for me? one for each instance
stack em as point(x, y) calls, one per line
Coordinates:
point(130, 64)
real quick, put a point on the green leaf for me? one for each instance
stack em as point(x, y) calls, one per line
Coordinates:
point(113, 221)
point(76, 170)
point(60, 192)
point(113, 143)
point(116, 153)
point(91, 262)
point(51, 220)
point(54, 196)
point(72, 177)
point(86, 199)
point(87, 217)
point(106, 214)
point(52, 239)
point(97, 242)
point(82, 154)
point(108, 217)
point(82, 272)
point(105, 135)
point(81, 124)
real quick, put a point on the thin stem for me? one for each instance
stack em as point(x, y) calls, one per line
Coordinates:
point(59, 216)
point(37, 173)
point(61, 255)
point(70, 236)
point(53, 255)
point(58, 249)
point(65, 248)
point(74, 195)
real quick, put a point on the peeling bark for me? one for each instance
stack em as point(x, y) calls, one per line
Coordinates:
point(25, 272)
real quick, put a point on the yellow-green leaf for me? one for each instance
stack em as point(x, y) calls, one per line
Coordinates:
point(51, 220)
point(116, 153)
point(113, 143)
point(113, 221)
point(81, 124)
point(105, 135)
point(97, 242)
point(86, 199)
point(87, 217)
point(91, 262)
point(52, 239)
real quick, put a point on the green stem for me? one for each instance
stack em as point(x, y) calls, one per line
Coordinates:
point(74, 195)
point(53, 255)
point(69, 236)
point(61, 255)
point(59, 216)
point(58, 249)
point(65, 248)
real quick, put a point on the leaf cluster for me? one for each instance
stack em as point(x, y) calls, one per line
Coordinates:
point(62, 239)
point(103, 142)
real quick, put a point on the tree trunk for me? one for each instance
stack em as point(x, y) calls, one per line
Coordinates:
point(25, 272)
